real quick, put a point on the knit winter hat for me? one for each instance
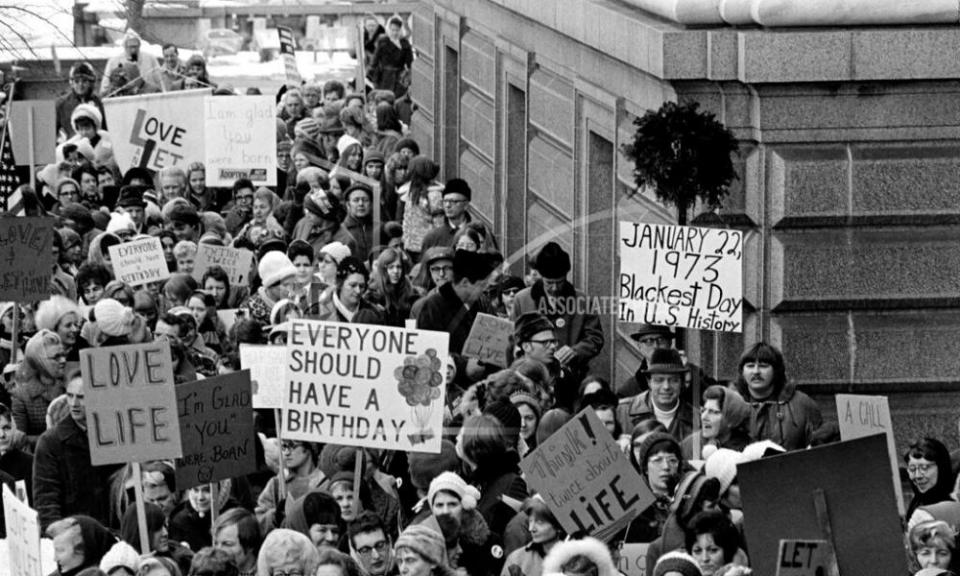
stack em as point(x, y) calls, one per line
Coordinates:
point(425, 467)
point(553, 261)
point(42, 349)
point(120, 222)
point(530, 400)
point(275, 267)
point(52, 311)
point(530, 324)
point(408, 143)
point(182, 212)
point(424, 541)
point(761, 449)
point(722, 465)
point(453, 483)
point(120, 554)
point(337, 458)
point(113, 318)
point(346, 141)
point(336, 250)
point(507, 414)
point(372, 155)
point(656, 442)
point(308, 128)
point(679, 562)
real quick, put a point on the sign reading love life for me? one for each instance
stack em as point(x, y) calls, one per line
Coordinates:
point(681, 276)
point(365, 385)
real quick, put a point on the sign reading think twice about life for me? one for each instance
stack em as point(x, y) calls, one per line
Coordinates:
point(267, 377)
point(803, 558)
point(861, 416)
point(139, 261)
point(365, 385)
point(236, 262)
point(490, 340)
point(23, 536)
point(130, 402)
point(681, 276)
point(216, 425)
point(585, 479)
point(26, 258)
point(235, 146)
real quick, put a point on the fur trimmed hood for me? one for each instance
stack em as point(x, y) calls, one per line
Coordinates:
point(473, 528)
point(592, 548)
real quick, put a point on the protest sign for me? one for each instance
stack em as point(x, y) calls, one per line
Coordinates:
point(267, 373)
point(803, 558)
point(234, 143)
point(130, 402)
point(23, 536)
point(288, 56)
point(139, 261)
point(157, 130)
point(26, 258)
point(228, 316)
point(586, 479)
point(681, 276)
point(861, 416)
point(633, 559)
point(33, 131)
point(365, 385)
point(216, 426)
point(490, 340)
point(236, 262)
point(778, 496)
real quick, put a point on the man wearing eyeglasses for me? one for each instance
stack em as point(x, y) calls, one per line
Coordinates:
point(370, 546)
point(647, 338)
point(456, 201)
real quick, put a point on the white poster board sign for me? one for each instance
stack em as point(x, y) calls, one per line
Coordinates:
point(365, 385)
point(139, 261)
point(235, 145)
point(860, 416)
point(267, 373)
point(23, 536)
point(681, 276)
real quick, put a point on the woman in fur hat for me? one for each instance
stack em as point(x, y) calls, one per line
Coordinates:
point(63, 316)
point(579, 557)
point(39, 381)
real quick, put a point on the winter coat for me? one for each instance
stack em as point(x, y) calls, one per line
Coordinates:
point(496, 480)
point(296, 489)
point(788, 418)
point(362, 232)
point(632, 410)
point(388, 64)
point(318, 232)
point(65, 106)
point(593, 549)
point(187, 525)
point(526, 561)
point(474, 548)
point(366, 313)
point(30, 401)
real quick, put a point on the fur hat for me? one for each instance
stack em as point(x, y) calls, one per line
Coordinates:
point(408, 143)
point(274, 267)
point(52, 310)
point(530, 324)
point(120, 554)
point(553, 261)
point(336, 250)
point(120, 221)
point(113, 318)
point(457, 186)
point(722, 465)
point(425, 467)
point(453, 483)
point(590, 548)
point(761, 449)
point(679, 562)
point(424, 541)
point(86, 111)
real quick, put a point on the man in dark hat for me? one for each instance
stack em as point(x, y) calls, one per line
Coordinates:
point(132, 202)
point(82, 83)
point(665, 374)
point(648, 338)
point(456, 201)
point(455, 306)
point(578, 331)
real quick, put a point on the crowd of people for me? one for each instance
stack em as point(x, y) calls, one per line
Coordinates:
point(320, 254)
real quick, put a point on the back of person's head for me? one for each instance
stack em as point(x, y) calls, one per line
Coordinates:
point(485, 440)
point(347, 565)
point(130, 527)
point(212, 561)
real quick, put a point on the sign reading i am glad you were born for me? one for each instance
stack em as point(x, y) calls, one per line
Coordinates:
point(23, 536)
point(586, 479)
point(131, 403)
point(26, 258)
point(365, 385)
point(139, 262)
point(234, 143)
point(681, 276)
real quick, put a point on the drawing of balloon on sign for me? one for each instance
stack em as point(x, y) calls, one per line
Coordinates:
point(419, 381)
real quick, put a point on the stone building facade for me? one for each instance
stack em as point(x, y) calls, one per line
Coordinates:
point(849, 188)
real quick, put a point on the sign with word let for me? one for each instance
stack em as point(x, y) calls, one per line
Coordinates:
point(586, 479)
point(490, 340)
point(139, 261)
point(236, 262)
point(216, 426)
point(131, 404)
point(23, 536)
point(681, 276)
point(267, 365)
point(26, 258)
point(157, 131)
point(803, 558)
point(861, 416)
point(235, 146)
point(633, 559)
point(365, 385)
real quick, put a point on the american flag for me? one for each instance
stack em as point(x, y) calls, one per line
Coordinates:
point(12, 199)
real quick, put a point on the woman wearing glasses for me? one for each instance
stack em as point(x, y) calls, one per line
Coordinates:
point(928, 465)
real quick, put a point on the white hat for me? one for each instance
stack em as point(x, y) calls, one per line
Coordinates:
point(275, 267)
point(120, 554)
point(336, 250)
point(453, 483)
point(722, 465)
point(120, 221)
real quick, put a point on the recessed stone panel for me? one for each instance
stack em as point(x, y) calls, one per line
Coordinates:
point(907, 347)
point(551, 104)
point(906, 180)
point(550, 174)
point(815, 347)
point(477, 62)
point(807, 182)
point(477, 122)
point(543, 225)
point(424, 29)
point(479, 173)
point(422, 85)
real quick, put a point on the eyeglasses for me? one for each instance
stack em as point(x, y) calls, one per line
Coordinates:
point(289, 446)
point(654, 341)
point(380, 547)
point(546, 342)
point(452, 201)
point(294, 572)
point(439, 269)
point(919, 468)
point(665, 461)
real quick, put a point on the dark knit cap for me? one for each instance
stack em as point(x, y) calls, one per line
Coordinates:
point(474, 266)
point(425, 467)
point(337, 458)
point(100, 219)
point(552, 261)
point(657, 442)
point(137, 173)
point(79, 214)
point(679, 562)
point(530, 324)
point(185, 213)
point(132, 196)
point(394, 229)
point(508, 415)
point(457, 186)
point(408, 143)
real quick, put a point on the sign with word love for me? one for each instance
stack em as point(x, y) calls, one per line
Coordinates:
point(139, 261)
point(236, 262)
point(235, 146)
point(803, 558)
point(861, 416)
point(23, 536)
point(365, 385)
point(157, 131)
point(267, 377)
point(216, 426)
point(26, 258)
point(586, 479)
point(131, 404)
point(681, 276)
point(490, 340)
